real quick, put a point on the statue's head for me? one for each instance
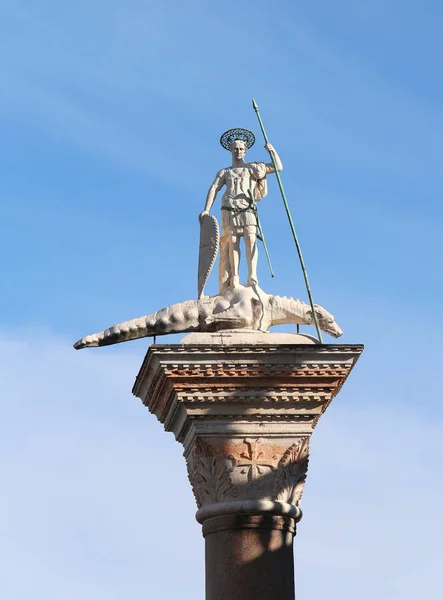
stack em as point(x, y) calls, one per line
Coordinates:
point(238, 149)
point(237, 141)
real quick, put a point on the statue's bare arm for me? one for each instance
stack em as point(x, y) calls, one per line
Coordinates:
point(269, 166)
point(217, 185)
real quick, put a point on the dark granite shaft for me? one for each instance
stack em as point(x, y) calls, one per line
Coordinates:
point(249, 557)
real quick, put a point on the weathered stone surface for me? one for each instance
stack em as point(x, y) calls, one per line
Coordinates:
point(234, 337)
point(244, 307)
point(256, 389)
point(245, 414)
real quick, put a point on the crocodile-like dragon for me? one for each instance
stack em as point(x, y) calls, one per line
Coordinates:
point(239, 308)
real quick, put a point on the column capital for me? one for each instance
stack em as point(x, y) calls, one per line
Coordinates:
point(244, 414)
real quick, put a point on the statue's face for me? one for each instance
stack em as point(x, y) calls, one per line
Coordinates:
point(238, 149)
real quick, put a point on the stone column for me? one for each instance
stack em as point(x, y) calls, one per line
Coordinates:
point(245, 415)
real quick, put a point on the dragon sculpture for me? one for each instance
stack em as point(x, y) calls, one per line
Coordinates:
point(243, 307)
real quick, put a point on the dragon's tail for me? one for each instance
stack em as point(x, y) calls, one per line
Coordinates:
point(177, 318)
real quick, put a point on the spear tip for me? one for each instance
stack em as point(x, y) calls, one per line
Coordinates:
point(254, 104)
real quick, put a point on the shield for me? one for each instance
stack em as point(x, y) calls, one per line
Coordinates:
point(209, 242)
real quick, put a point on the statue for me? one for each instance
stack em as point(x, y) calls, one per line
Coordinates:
point(245, 307)
point(245, 184)
point(236, 306)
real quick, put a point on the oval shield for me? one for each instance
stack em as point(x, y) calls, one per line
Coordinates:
point(207, 254)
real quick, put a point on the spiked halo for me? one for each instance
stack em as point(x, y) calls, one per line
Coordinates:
point(231, 135)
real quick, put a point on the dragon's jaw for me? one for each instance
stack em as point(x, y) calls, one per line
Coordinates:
point(331, 329)
point(327, 322)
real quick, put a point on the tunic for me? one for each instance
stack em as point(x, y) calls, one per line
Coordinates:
point(238, 181)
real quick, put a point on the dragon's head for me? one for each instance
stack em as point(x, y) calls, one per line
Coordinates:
point(326, 321)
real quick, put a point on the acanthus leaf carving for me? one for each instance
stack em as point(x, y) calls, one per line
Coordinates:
point(291, 473)
point(209, 474)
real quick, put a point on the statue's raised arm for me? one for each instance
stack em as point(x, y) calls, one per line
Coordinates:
point(270, 166)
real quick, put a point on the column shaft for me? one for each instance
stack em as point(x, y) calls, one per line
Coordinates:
point(249, 557)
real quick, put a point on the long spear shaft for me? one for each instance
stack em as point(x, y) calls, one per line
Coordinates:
point(288, 212)
point(264, 244)
point(260, 231)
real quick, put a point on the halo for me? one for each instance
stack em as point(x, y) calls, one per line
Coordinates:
point(231, 135)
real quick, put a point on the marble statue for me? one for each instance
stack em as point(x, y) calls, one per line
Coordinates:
point(235, 307)
point(245, 184)
point(243, 307)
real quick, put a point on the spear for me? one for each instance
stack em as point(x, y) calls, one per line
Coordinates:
point(291, 223)
point(260, 230)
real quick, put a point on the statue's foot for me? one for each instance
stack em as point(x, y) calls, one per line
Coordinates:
point(235, 282)
point(252, 282)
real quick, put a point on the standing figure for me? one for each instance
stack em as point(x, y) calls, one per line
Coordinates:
point(245, 184)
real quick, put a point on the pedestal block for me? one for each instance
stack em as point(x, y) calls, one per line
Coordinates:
point(245, 415)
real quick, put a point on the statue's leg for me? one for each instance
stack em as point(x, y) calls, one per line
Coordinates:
point(224, 269)
point(234, 259)
point(250, 235)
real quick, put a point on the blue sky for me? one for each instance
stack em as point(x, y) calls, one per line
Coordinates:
point(110, 116)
